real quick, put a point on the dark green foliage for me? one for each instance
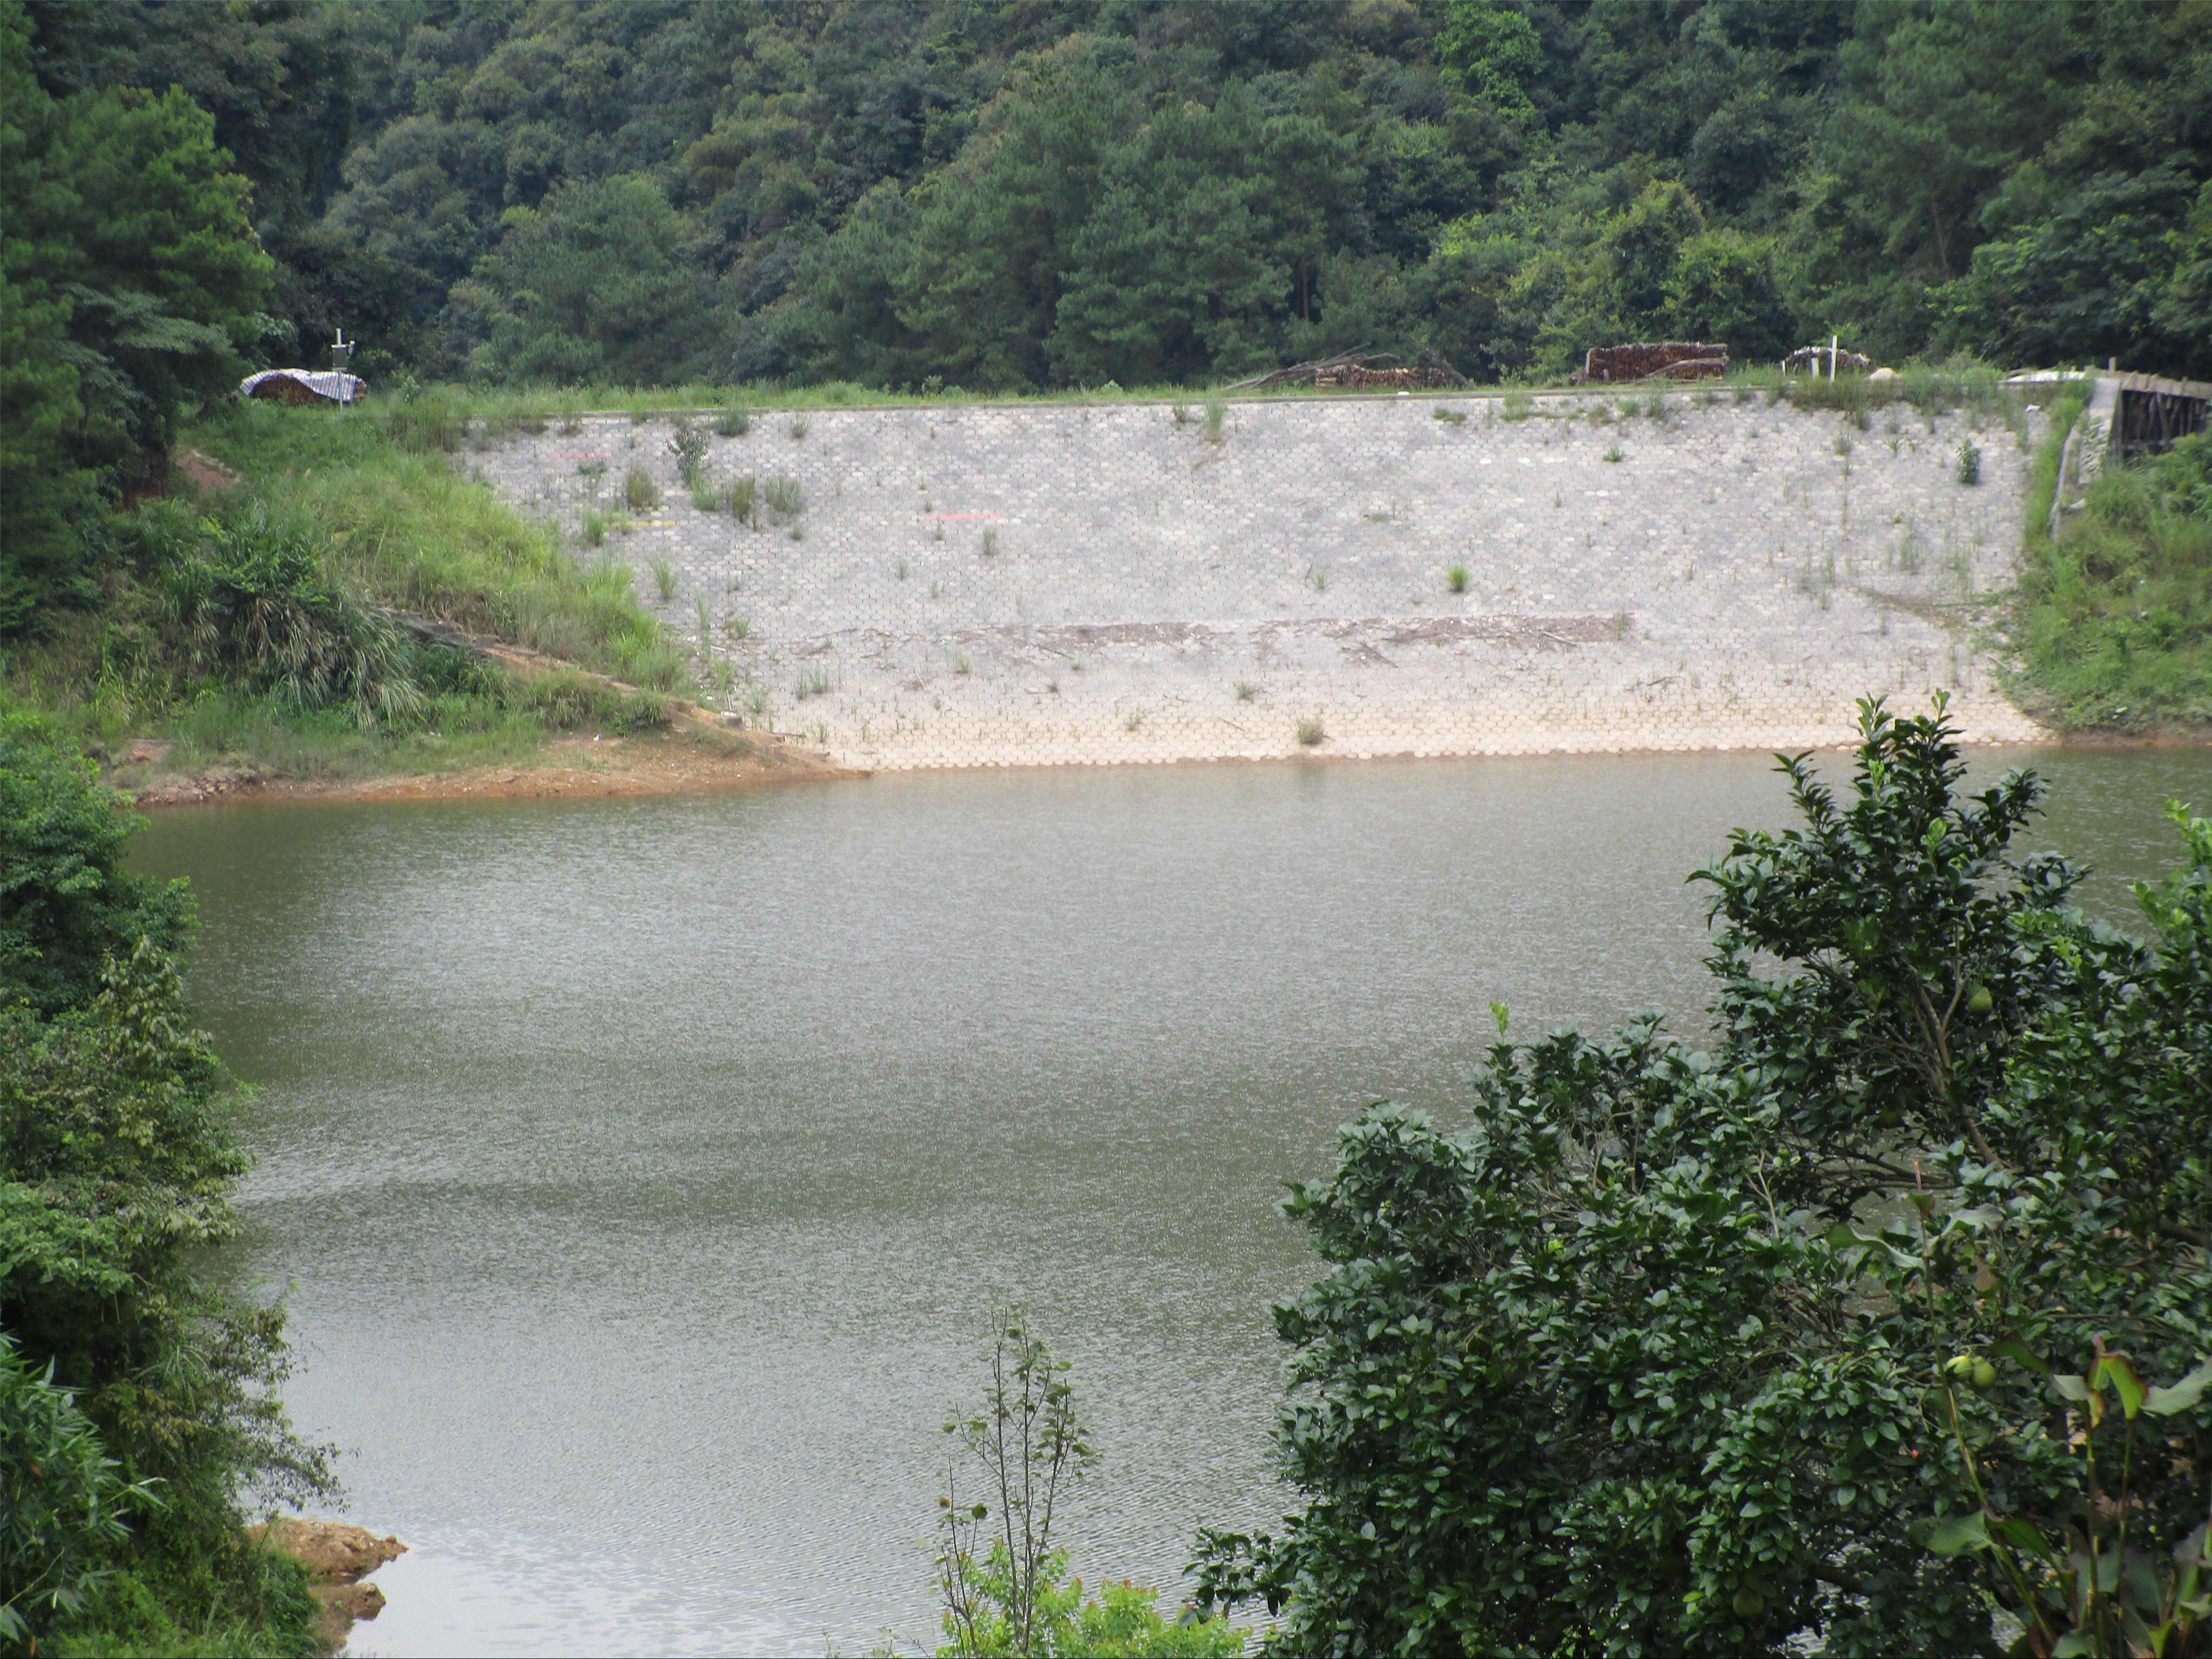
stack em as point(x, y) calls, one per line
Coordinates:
point(2117, 614)
point(1666, 1352)
point(116, 1159)
point(888, 191)
point(66, 902)
point(132, 285)
point(61, 1501)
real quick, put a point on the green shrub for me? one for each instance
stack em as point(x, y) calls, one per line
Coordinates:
point(639, 490)
point(67, 902)
point(1970, 462)
point(1839, 1339)
point(688, 445)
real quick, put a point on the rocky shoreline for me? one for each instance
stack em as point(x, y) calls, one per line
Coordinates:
point(339, 1557)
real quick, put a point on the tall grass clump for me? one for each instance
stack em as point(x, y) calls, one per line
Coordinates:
point(664, 580)
point(1216, 411)
point(639, 490)
point(2115, 616)
point(733, 422)
point(742, 495)
point(784, 496)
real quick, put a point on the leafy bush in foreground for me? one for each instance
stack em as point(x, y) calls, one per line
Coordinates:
point(1844, 1337)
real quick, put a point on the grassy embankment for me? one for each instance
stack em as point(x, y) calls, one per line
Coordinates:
point(246, 624)
point(2114, 617)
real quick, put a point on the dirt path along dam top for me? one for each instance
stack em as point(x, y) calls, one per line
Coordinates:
point(1054, 584)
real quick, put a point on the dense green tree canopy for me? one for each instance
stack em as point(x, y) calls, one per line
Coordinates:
point(1073, 190)
point(130, 285)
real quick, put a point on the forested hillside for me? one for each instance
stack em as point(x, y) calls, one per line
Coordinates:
point(1048, 193)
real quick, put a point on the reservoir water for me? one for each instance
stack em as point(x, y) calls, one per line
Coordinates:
point(644, 1172)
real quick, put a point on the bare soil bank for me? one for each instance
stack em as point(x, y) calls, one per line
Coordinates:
point(572, 767)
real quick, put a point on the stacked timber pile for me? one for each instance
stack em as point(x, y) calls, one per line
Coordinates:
point(1653, 360)
point(1357, 372)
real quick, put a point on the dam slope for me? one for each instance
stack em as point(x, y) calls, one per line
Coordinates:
point(1062, 583)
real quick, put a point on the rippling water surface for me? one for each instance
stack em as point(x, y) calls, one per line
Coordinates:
point(645, 1169)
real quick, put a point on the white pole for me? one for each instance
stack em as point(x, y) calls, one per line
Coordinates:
point(1833, 340)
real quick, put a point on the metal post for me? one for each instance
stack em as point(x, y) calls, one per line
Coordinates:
point(341, 358)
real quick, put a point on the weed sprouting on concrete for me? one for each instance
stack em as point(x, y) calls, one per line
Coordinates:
point(1318, 577)
point(1519, 405)
point(1246, 691)
point(1613, 452)
point(1450, 417)
point(706, 630)
point(1133, 720)
point(797, 428)
point(687, 444)
point(1970, 462)
point(743, 495)
point(961, 665)
point(1455, 578)
point(1181, 411)
point(1216, 411)
point(734, 423)
point(1310, 731)
point(664, 578)
point(814, 682)
point(784, 496)
point(990, 543)
point(901, 570)
point(594, 529)
point(738, 628)
point(639, 490)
